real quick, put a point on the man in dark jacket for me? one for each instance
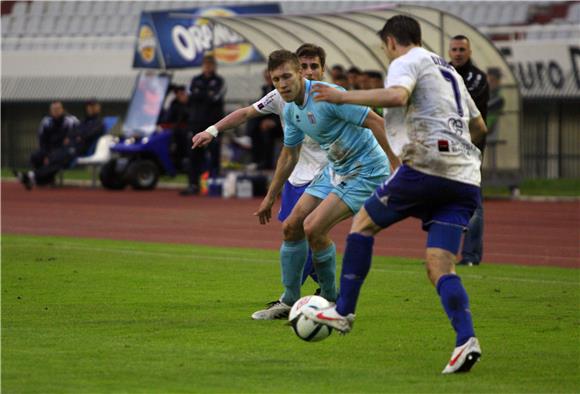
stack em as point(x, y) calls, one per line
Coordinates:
point(52, 131)
point(77, 142)
point(207, 105)
point(178, 119)
point(476, 82)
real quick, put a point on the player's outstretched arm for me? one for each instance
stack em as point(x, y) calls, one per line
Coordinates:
point(284, 167)
point(477, 129)
point(395, 96)
point(230, 121)
point(377, 126)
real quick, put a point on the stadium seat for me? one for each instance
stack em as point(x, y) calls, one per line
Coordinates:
point(112, 8)
point(98, 8)
point(61, 27)
point(521, 14)
point(47, 25)
point(87, 24)
point(574, 13)
point(54, 8)
point(33, 25)
point(84, 8)
point(20, 8)
point(69, 8)
point(6, 25)
point(37, 8)
point(100, 26)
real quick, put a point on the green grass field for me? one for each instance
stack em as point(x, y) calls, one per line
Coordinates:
point(93, 316)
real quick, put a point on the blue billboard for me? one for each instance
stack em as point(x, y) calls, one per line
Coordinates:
point(179, 38)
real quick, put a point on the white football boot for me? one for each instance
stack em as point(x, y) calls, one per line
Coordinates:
point(464, 357)
point(331, 318)
point(275, 310)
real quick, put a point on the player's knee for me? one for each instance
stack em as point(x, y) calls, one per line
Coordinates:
point(439, 262)
point(292, 229)
point(314, 234)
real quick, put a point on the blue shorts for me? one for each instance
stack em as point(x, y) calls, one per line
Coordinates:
point(290, 196)
point(353, 191)
point(432, 199)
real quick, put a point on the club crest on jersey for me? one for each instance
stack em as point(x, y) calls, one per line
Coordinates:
point(311, 118)
point(297, 119)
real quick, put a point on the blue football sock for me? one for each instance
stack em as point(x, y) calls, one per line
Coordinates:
point(356, 264)
point(292, 258)
point(309, 269)
point(456, 305)
point(325, 265)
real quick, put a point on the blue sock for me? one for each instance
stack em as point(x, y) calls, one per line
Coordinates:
point(325, 265)
point(356, 264)
point(456, 305)
point(309, 269)
point(292, 259)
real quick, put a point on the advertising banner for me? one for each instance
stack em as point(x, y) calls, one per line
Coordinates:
point(545, 69)
point(179, 38)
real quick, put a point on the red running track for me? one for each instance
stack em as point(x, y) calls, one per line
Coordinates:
point(531, 233)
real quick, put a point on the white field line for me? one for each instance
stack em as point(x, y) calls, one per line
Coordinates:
point(240, 257)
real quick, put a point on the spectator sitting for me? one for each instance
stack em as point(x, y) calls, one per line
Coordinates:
point(52, 132)
point(353, 74)
point(77, 142)
point(336, 72)
point(375, 81)
point(342, 80)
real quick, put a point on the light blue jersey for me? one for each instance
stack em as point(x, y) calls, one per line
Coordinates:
point(357, 163)
point(351, 148)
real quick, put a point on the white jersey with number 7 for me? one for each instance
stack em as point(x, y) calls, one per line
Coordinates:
point(431, 134)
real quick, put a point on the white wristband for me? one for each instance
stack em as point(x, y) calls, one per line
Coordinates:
point(212, 130)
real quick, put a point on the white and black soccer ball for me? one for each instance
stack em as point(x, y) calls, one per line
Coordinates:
point(305, 328)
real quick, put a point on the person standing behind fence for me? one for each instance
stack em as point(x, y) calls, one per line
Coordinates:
point(476, 82)
point(52, 132)
point(207, 103)
point(495, 103)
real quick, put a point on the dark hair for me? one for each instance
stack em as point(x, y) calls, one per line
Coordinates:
point(338, 67)
point(495, 72)
point(374, 74)
point(209, 58)
point(311, 50)
point(281, 56)
point(354, 70)
point(404, 29)
point(460, 37)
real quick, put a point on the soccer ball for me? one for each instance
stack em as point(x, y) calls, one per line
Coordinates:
point(305, 328)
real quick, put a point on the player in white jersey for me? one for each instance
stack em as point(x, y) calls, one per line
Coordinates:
point(310, 164)
point(432, 124)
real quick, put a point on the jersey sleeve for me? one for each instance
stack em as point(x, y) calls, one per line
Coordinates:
point(351, 113)
point(403, 74)
point(473, 111)
point(293, 136)
point(269, 104)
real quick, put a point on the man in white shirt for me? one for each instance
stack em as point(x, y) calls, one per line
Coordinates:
point(432, 124)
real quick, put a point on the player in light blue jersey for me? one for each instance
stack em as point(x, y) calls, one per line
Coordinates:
point(354, 140)
point(433, 124)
